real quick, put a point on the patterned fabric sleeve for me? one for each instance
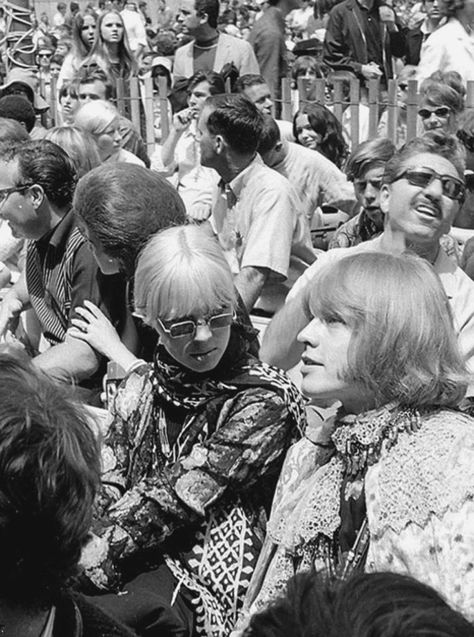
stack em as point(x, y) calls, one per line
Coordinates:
point(253, 430)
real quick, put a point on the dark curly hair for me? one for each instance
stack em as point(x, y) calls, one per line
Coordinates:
point(49, 475)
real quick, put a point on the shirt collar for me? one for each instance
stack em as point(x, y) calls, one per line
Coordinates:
point(58, 236)
point(239, 182)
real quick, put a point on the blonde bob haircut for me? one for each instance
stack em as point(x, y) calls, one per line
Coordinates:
point(95, 117)
point(403, 347)
point(180, 272)
point(78, 144)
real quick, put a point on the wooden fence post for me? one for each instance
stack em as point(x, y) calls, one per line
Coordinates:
point(286, 111)
point(392, 111)
point(163, 93)
point(412, 109)
point(355, 113)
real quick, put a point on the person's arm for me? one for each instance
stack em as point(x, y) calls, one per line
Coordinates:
point(432, 56)
point(70, 361)
point(249, 283)
point(248, 445)
point(181, 122)
point(280, 347)
point(14, 302)
point(95, 329)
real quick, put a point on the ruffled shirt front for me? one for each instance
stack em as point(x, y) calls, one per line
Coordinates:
point(419, 498)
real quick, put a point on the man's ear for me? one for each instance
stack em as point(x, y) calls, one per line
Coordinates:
point(219, 144)
point(203, 18)
point(384, 198)
point(37, 195)
point(278, 146)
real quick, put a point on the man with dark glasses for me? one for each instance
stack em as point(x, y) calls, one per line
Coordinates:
point(37, 181)
point(422, 191)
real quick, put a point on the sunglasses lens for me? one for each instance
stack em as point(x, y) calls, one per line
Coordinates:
point(419, 178)
point(403, 87)
point(451, 188)
point(424, 113)
point(221, 320)
point(181, 329)
point(442, 112)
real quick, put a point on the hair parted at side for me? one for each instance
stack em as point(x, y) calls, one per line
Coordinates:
point(124, 205)
point(210, 8)
point(365, 605)
point(323, 122)
point(91, 74)
point(182, 270)
point(78, 144)
point(248, 80)
point(367, 155)
point(434, 142)
point(49, 475)
point(215, 81)
point(44, 163)
point(236, 119)
point(403, 346)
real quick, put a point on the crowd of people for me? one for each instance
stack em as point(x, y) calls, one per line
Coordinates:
point(236, 368)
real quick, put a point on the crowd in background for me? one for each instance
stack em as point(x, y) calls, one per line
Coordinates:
point(236, 391)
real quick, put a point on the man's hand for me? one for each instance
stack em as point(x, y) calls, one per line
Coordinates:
point(183, 119)
point(371, 71)
point(387, 14)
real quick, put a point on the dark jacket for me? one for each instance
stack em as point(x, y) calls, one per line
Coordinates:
point(76, 617)
point(345, 47)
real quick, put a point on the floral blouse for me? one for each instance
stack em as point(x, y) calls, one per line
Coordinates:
point(190, 480)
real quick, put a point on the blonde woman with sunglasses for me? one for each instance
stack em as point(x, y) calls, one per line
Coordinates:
point(196, 442)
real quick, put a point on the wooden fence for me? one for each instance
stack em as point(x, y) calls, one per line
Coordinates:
point(135, 99)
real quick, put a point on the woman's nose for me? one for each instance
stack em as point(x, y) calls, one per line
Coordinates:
point(203, 332)
point(309, 334)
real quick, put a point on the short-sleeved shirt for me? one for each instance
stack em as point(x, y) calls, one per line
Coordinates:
point(263, 225)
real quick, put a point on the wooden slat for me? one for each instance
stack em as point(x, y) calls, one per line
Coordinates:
point(149, 115)
point(373, 108)
point(354, 106)
point(135, 102)
point(392, 111)
point(163, 93)
point(286, 111)
point(412, 109)
point(338, 99)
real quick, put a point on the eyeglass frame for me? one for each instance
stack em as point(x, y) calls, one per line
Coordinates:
point(196, 324)
point(434, 175)
point(422, 112)
point(6, 192)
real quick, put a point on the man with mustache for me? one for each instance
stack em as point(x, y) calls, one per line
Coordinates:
point(421, 193)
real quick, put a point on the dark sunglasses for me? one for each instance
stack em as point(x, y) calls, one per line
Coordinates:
point(402, 86)
point(423, 177)
point(178, 329)
point(441, 111)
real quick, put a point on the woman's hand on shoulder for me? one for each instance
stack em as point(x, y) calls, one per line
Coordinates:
point(94, 328)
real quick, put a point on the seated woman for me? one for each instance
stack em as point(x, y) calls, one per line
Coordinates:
point(102, 120)
point(387, 484)
point(441, 101)
point(191, 437)
point(317, 128)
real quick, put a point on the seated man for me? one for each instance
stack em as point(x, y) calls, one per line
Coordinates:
point(421, 193)
point(37, 181)
point(257, 90)
point(256, 213)
point(49, 475)
point(316, 179)
point(365, 168)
